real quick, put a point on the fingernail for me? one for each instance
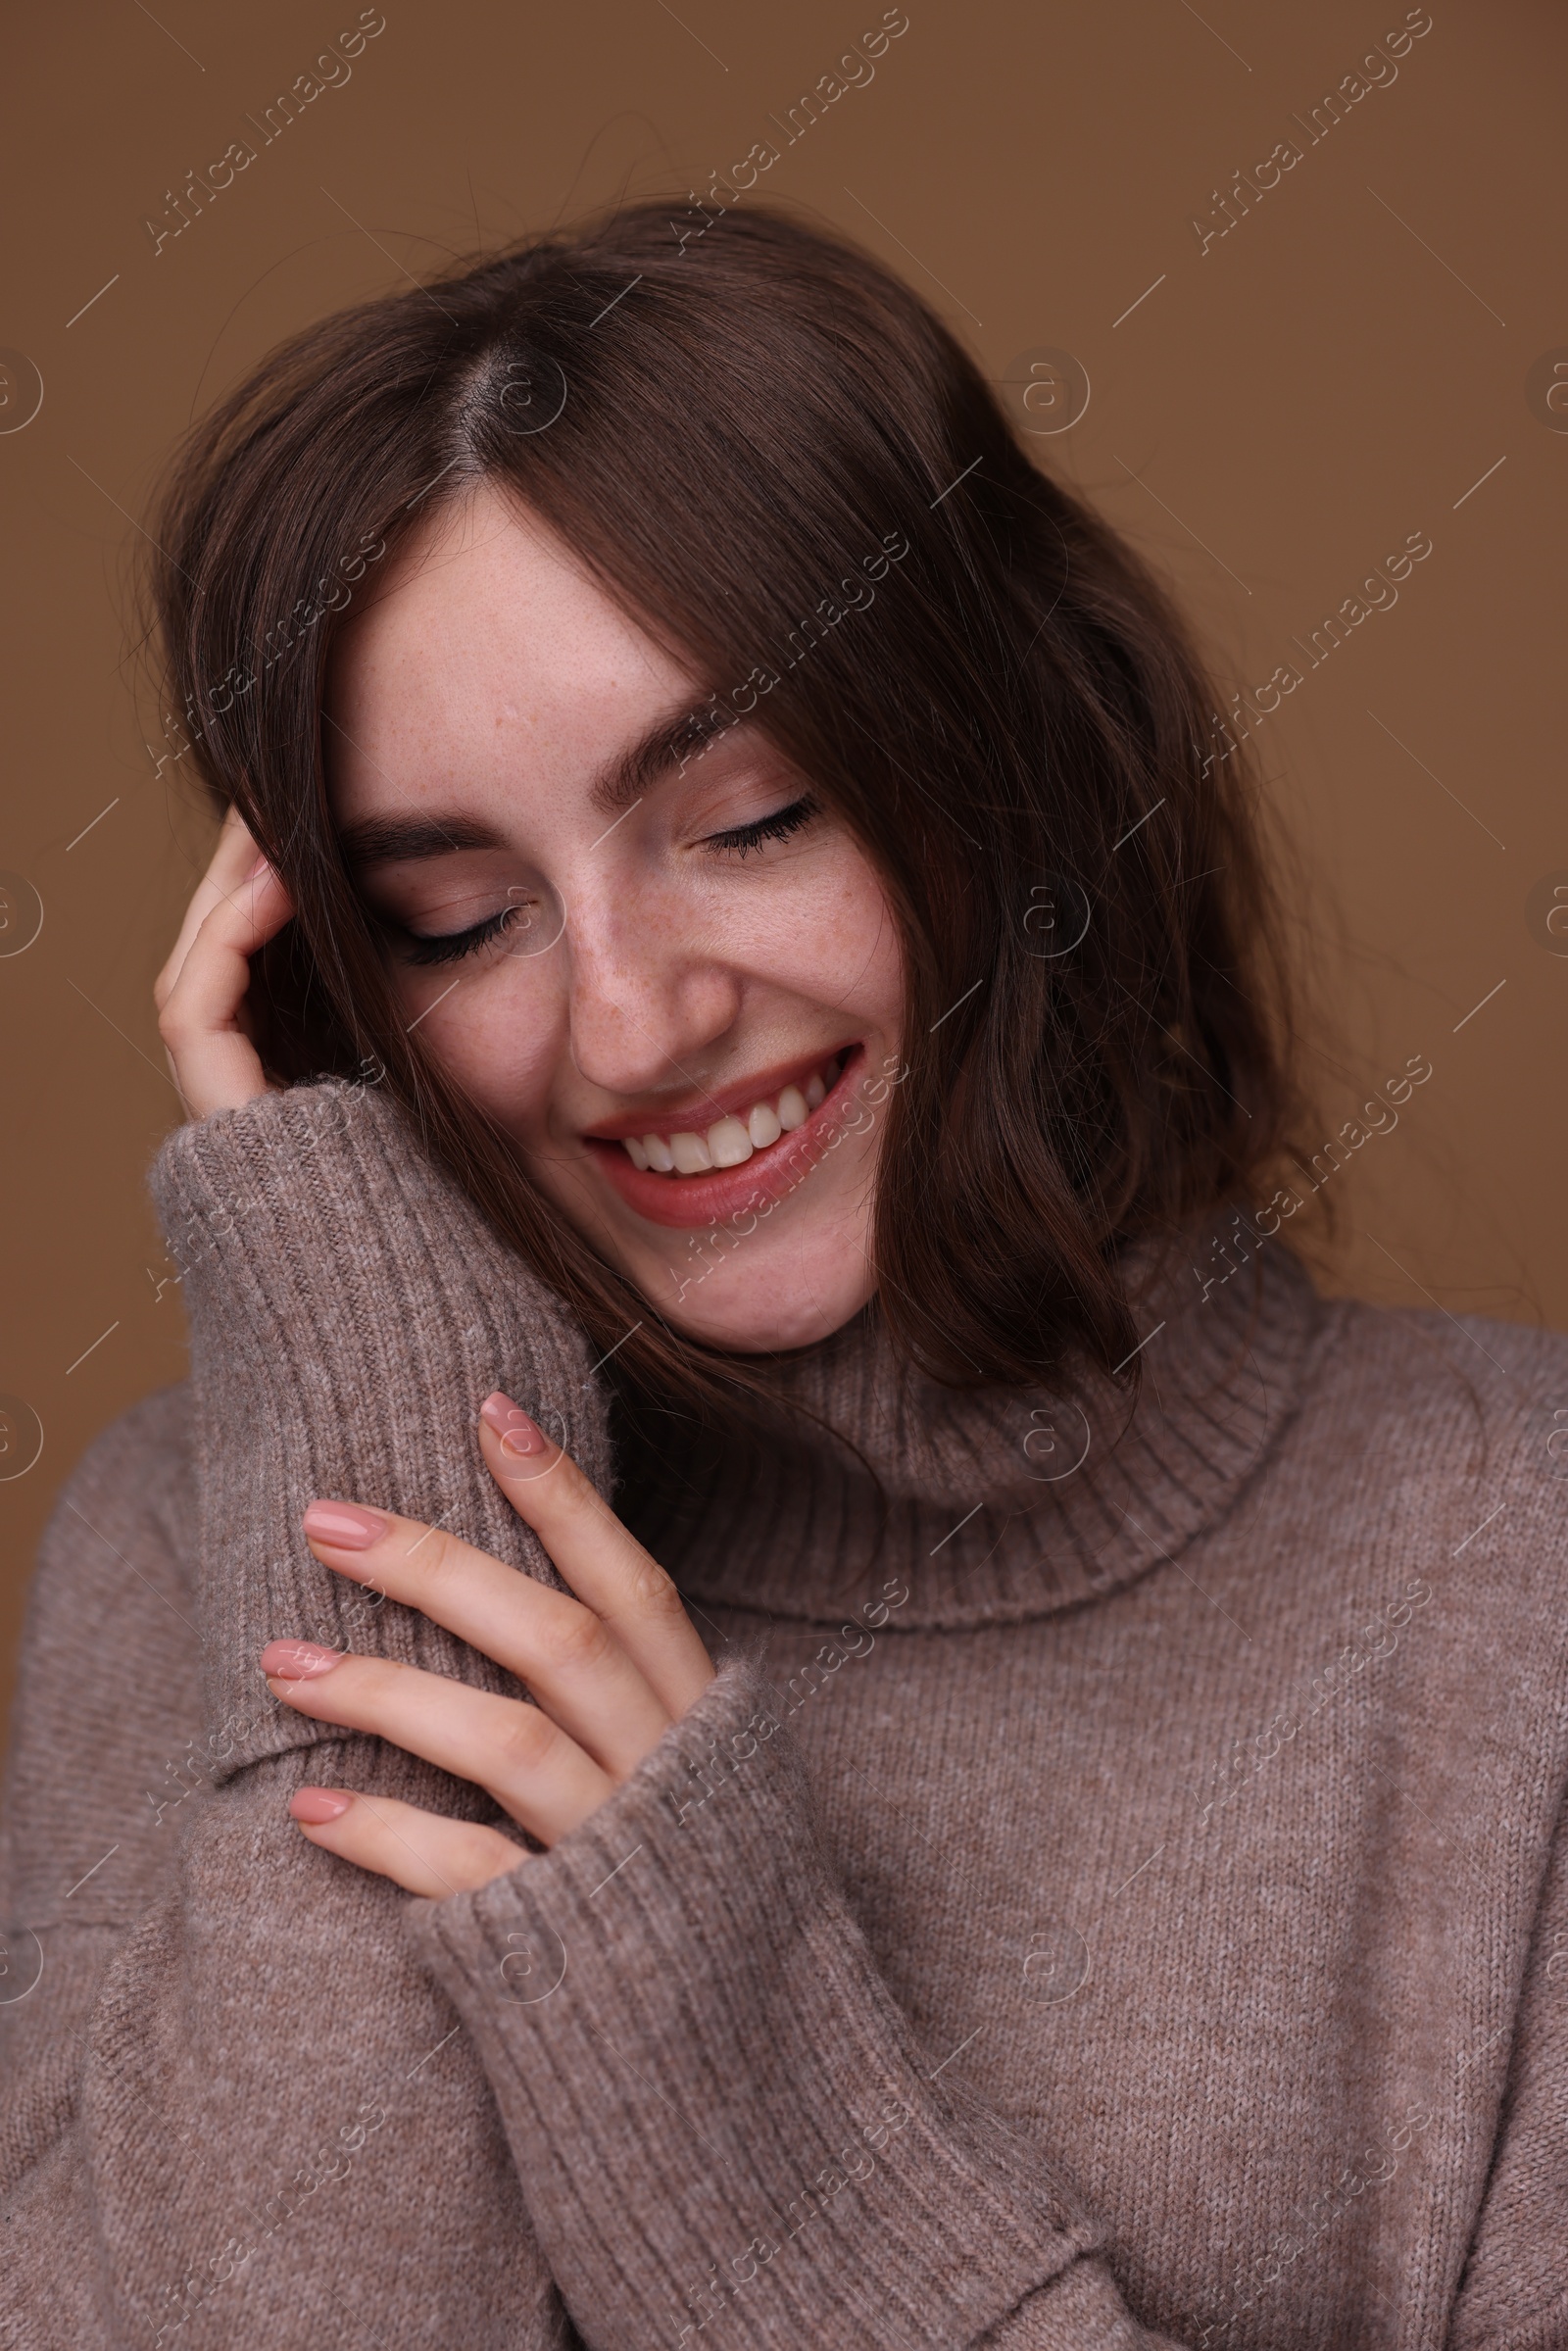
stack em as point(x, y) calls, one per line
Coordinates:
point(298, 1660)
point(344, 1525)
point(318, 1804)
point(257, 870)
point(517, 1432)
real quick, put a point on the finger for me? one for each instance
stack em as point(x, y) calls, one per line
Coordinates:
point(514, 1751)
point(236, 852)
point(418, 1850)
point(567, 1657)
point(601, 1559)
point(241, 915)
point(201, 1021)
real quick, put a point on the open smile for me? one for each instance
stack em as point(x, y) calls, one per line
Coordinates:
point(678, 1172)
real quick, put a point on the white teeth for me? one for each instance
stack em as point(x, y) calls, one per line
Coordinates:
point(728, 1142)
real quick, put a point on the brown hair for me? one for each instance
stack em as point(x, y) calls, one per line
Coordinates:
point(780, 460)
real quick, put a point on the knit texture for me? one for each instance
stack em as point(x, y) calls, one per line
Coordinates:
point(1111, 1894)
point(349, 1312)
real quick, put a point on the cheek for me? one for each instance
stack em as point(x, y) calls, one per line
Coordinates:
point(831, 940)
point(498, 1032)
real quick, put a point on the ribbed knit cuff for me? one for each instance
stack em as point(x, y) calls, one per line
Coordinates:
point(349, 1310)
point(720, 2118)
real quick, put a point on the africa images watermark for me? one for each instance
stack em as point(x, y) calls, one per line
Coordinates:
point(1377, 72)
point(720, 712)
point(330, 72)
point(1228, 1252)
point(333, 592)
point(1378, 593)
point(708, 1248)
point(855, 71)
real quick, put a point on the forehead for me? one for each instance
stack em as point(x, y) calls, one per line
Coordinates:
point(489, 649)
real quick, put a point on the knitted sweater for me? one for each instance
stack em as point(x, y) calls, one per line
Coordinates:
point(1110, 1893)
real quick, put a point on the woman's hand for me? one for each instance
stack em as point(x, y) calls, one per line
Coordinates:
point(201, 1014)
point(611, 1669)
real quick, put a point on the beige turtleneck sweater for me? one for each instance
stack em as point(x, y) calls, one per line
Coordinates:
point(1109, 1897)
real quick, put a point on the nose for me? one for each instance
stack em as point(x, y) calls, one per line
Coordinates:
point(646, 1002)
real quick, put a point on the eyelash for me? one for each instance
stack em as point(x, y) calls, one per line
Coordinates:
point(451, 946)
point(742, 838)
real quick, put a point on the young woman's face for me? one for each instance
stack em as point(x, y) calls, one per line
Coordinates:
point(677, 988)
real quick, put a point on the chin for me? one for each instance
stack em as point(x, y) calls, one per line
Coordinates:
point(758, 1327)
point(754, 1313)
point(770, 1275)
point(763, 1327)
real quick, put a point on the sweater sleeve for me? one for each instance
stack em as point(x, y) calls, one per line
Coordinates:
point(724, 2124)
point(251, 2116)
point(684, 2102)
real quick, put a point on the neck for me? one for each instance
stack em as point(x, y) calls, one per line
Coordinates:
point(866, 1478)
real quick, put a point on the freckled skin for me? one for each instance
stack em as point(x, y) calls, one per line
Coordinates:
point(493, 677)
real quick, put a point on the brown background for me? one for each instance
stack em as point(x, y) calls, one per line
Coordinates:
point(1274, 417)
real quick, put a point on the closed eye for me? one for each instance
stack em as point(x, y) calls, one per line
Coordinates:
point(450, 947)
point(740, 839)
point(737, 839)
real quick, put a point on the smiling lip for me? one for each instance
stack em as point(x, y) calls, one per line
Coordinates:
point(700, 1111)
point(692, 1200)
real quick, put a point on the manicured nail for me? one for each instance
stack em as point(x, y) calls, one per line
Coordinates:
point(517, 1432)
point(318, 1804)
point(298, 1660)
point(344, 1525)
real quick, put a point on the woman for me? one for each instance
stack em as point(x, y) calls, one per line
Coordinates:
point(1035, 1821)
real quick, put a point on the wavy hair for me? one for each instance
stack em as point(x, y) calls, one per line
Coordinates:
point(727, 430)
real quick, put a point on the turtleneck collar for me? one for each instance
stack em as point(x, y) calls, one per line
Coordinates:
point(993, 1506)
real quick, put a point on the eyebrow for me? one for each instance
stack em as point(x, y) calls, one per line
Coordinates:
point(619, 784)
point(405, 840)
point(668, 743)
